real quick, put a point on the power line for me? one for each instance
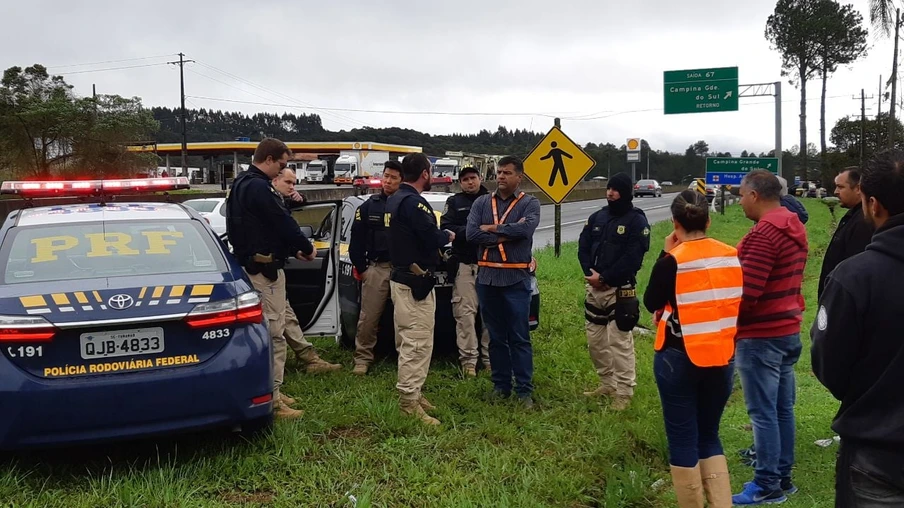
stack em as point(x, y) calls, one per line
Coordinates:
point(111, 69)
point(108, 62)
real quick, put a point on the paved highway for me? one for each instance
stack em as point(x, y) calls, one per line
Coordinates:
point(575, 214)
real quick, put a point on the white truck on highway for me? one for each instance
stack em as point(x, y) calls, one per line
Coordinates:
point(358, 163)
point(446, 170)
point(315, 171)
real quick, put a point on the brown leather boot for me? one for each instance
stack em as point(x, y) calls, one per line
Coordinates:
point(286, 399)
point(360, 369)
point(319, 366)
point(688, 486)
point(285, 412)
point(621, 403)
point(470, 370)
point(425, 404)
point(413, 407)
point(716, 481)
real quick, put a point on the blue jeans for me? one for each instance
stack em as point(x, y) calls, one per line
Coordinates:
point(766, 367)
point(505, 312)
point(693, 399)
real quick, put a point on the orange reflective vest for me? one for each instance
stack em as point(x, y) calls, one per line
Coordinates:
point(501, 220)
point(708, 289)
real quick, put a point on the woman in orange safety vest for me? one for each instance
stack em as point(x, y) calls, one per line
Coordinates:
point(695, 293)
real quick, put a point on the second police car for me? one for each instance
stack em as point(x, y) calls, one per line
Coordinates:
point(129, 319)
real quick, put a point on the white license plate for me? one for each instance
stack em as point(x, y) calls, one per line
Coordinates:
point(138, 341)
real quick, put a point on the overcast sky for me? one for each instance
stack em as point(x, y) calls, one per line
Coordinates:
point(597, 64)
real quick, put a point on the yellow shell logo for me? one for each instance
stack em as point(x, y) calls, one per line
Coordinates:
point(633, 144)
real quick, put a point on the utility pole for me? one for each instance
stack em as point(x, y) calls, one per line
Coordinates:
point(558, 211)
point(648, 162)
point(862, 123)
point(879, 116)
point(181, 64)
point(894, 83)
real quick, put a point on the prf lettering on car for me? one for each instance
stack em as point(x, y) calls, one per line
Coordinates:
point(105, 244)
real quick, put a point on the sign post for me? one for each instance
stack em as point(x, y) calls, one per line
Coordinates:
point(700, 90)
point(556, 166)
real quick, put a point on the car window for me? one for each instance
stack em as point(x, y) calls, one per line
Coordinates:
point(348, 212)
point(201, 205)
point(108, 249)
point(223, 209)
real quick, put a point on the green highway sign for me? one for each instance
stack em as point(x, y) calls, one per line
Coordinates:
point(731, 170)
point(701, 90)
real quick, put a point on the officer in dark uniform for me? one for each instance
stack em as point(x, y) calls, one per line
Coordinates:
point(462, 270)
point(610, 250)
point(414, 243)
point(263, 235)
point(369, 253)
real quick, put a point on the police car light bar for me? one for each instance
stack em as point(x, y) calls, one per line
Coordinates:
point(63, 188)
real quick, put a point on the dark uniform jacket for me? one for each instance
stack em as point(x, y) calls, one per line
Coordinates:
point(851, 237)
point(614, 245)
point(455, 219)
point(370, 236)
point(857, 352)
point(257, 221)
point(413, 234)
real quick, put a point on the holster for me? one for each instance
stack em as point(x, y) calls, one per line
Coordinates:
point(452, 265)
point(267, 265)
point(420, 285)
point(627, 308)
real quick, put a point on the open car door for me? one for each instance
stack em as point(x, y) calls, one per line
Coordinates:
point(312, 286)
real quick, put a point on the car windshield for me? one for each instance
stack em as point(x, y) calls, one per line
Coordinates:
point(201, 205)
point(108, 249)
point(646, 182)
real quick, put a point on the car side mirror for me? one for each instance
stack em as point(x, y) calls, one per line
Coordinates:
point(308, 231)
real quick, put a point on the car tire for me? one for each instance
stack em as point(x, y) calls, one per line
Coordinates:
point(256, 427)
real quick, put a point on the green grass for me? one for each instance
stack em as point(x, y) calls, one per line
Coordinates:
point(352, 441)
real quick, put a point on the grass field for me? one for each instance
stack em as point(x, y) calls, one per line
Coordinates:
point(353, 448)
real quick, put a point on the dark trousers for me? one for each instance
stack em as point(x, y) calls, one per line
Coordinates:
point(868, 477)
point(693, 399)
point(505, 312)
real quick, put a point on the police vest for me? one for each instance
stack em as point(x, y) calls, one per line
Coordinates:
point(484, 261)
point(708, 289)
point(377, 234)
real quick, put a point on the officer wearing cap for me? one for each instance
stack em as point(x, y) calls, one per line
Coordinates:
point(414, 243)
point(263, 235)
point(611, 249)
point(369, 253)
point(462, 269)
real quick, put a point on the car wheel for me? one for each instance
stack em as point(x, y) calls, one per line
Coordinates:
point(256, 427)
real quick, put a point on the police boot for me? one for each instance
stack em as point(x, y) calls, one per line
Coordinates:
point(716, 481)
point(621, 402)
point(360, 369)
point(470, 370)
point(601, 391)
point(688, 486)
point(281, 410)
point(285, 399)
point(319, 365)
point(413, 407)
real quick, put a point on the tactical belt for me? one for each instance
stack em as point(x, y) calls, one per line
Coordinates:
point(597, 315)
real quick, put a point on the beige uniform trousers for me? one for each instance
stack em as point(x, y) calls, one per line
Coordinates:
point(464, 309)
point(374, 293)
point(611, 349)
point(273, 296)
point(414, 321)
point(295, 337)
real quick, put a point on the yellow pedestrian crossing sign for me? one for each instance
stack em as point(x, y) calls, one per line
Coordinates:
point(557, 165)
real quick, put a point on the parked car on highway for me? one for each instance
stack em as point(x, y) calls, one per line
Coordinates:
point(667, 182)
point(213, 210)
point(647, 188)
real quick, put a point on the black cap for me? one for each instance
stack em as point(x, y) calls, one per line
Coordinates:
point(468, 169)
point(623, 184)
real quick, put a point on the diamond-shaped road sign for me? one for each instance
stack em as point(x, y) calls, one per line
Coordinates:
point(557, 165)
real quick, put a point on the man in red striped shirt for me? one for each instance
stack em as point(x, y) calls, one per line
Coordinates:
point(773, 256)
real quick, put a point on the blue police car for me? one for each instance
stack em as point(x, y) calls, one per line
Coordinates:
point(120, 320)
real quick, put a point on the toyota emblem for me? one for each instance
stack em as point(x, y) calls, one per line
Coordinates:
point(120, 302)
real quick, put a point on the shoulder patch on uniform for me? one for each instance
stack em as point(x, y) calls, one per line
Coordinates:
point(424, 207)
point(446, 208)
point(358, 213)
point(621, 229)
point(646, 231)
point(822, 318)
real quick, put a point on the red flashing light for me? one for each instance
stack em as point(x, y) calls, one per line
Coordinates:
point(62, 188)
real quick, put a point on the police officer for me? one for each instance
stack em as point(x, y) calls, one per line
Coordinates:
point(462, 269)
point(610, 250)
point(263, 236)
point(294, 335)
point(369, 252)
point(414, 243)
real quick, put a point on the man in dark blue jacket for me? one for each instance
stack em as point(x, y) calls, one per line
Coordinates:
point(857, 349)
point(611, 250)
point(263, 235)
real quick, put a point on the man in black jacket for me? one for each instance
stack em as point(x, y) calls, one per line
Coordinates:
point(857, 349)
point(263, 235)
point(463, 268)
point(853, 233)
